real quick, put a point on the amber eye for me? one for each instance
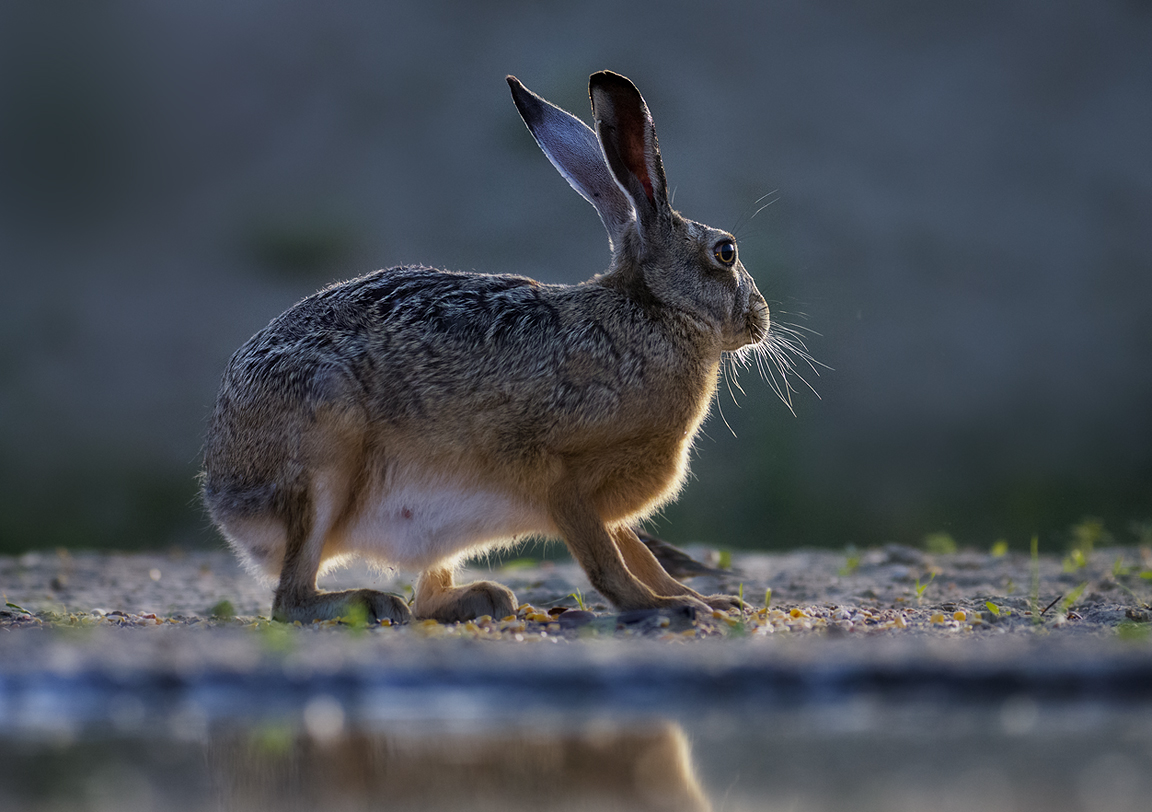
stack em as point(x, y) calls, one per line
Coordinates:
point(725, 252)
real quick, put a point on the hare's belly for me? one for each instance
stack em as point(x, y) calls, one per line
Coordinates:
point(414, 527)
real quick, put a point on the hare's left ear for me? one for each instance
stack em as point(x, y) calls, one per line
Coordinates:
point(573, 149)
point(628, 138)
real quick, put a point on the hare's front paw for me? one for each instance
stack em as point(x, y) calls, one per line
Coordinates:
point(374, 606)
point(467, 602)
point(725, 603)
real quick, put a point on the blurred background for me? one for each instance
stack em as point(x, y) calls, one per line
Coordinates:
point(961, 215)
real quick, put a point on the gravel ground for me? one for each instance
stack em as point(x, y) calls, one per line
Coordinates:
point(894, 590)
point(888, 680)
point(893, 622)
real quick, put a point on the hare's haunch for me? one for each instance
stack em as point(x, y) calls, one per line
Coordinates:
point(416, 417)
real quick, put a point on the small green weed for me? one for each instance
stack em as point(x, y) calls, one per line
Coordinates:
point(1075, 560)
point(1088, 533)
point(767, 597)
point(578, 596)
point(999, 549)
point(11, 605)
point(993, 608)
point(222, 610)
point(1034, 592)
point(724, 559)
point(922, 588)
point(940, 543)
point(1073, 596)
point(851, 562)
point(1121, 569)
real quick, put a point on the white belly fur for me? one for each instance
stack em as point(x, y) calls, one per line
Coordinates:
point(415, 526)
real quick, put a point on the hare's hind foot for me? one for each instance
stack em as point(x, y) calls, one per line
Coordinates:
point(437, 598)
point(369, 604)
point(677, 603)
point(725, 603)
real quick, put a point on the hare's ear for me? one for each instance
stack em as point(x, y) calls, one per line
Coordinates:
point(571, 146)
point(628, 138)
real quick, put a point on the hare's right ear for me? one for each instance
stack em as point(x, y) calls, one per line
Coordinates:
point(574, 150)
point(628, 138)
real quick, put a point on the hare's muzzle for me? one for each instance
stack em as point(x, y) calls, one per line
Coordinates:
point(757, 318)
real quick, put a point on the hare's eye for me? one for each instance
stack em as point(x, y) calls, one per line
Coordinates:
point(725, 252)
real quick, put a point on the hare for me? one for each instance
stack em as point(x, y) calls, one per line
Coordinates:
point(416, 417)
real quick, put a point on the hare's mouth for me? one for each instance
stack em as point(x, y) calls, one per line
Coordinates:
point(780, 354)
point(754, 330)
point(757, 331)
point(758, 322)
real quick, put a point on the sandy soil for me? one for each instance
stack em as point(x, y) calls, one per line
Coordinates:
point(893, 590)
point(892, 679)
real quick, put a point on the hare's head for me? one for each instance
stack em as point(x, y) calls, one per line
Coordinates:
point(680, 264)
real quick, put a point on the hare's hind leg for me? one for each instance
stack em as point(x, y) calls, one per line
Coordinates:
point(641, 563)
point(438, 598)
point(605, 563)
point(297, 597)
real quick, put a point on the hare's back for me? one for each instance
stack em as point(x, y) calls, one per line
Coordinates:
point(414, 314)
point(412, 335)
point(432, 305)
point(411, 316)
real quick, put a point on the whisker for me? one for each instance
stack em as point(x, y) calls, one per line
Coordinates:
point(779, 359)
point(720, 403)
point(766, 205)
point(744, 218)
point(737, 363)
point(775, 386)
point(727, 375)
point(799, 314)
point(784, 353)
point(789, 335)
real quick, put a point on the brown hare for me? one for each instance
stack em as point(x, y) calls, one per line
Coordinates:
point(416, 417)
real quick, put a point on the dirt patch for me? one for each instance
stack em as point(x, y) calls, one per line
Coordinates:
point(893, 590)
point(971, 677)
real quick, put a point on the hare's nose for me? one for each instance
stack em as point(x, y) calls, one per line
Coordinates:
point(758, 317)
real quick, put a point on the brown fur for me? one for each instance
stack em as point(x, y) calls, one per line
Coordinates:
point(418, 416)
point(633, 765)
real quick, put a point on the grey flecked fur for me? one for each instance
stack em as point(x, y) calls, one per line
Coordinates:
point(397, 402)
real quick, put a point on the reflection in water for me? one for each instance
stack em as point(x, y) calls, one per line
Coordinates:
point(601, 767)
point(321, 766)
point(862, 755)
